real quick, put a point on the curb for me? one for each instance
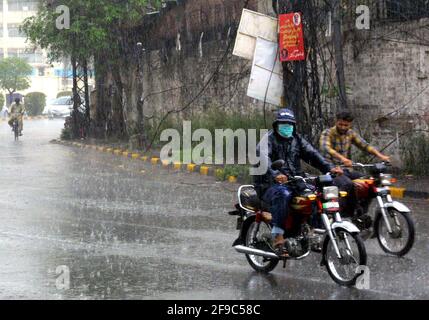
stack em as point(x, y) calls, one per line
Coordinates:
point(205, 170)
point(154, 160)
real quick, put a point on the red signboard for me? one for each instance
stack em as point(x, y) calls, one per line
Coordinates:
point(291, 37)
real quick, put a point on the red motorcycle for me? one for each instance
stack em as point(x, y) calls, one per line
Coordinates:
point(392, 224)
point(315, 205)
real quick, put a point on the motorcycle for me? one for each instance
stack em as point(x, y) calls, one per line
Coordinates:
point(316, 204)
point(392, 225)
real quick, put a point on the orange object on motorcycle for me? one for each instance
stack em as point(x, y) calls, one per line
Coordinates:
point(363, 187)
point(302, 205)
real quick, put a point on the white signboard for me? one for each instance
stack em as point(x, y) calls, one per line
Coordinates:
point(253, 25)
point(266, 79)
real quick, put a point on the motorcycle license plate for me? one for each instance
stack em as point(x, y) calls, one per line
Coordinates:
point(331, 205)
point(239, 223)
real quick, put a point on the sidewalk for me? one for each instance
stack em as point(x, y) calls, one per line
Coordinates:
point(414, 187)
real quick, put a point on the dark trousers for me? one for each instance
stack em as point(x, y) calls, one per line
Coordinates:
point(278, 197)
point(345, 183)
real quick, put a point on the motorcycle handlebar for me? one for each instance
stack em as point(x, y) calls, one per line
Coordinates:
point(360, 165)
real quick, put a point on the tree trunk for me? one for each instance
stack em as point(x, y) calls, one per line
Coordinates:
point(339, 58)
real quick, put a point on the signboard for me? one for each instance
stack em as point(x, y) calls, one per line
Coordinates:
point(266, 79)
point(291, 37)
point(253, 25)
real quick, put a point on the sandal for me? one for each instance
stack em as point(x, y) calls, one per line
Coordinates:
point(279, 247)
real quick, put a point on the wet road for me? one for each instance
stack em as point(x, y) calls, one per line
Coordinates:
point(125, 230)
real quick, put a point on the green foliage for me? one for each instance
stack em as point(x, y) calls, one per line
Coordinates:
point(14, 74)
point(2, 100)
point(66, 134)
point(34, 103)
point(242, 172)
point(64, 94)
point(415, 155)
point(95, 26)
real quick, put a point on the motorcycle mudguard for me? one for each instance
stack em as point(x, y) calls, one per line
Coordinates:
point(346, 225)
point(243, 231)
point(397, 206)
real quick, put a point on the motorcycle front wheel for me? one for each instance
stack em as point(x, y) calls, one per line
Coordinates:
point(344, 270)
point(258, 237)
point(401, 240)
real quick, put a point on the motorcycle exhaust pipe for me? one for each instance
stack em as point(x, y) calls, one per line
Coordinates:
point(255, 252)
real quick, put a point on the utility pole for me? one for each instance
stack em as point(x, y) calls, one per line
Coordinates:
point(293, 72)
point(301, 79)
point(337, 40)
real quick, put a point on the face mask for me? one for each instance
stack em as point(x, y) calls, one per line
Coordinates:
point(286, 130)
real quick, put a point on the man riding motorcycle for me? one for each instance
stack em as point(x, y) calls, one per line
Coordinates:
point(335, 145)
point(17, 112)
point(284, 143)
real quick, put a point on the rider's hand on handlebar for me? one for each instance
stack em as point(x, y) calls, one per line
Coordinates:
point(385, 158)
point(347, 162)
point(282, 179)
point(337, 170)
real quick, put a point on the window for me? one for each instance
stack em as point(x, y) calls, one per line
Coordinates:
point(22, 5)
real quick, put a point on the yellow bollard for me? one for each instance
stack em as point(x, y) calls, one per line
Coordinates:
point(232, 179)
point(191, 167)
point(204, 170)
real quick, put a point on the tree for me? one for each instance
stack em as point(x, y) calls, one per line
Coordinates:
point(34, 103)
point(14, 74)
point(98, 29)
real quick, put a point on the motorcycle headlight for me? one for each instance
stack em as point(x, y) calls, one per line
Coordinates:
point(386, 179)
point(330, 193)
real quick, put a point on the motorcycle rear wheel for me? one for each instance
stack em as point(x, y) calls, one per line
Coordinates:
point(387, 241)
point(16, 131)
point(344, 272)
point(257, 238)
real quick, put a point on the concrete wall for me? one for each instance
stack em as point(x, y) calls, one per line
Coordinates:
point(186, 49)
point(388, 70)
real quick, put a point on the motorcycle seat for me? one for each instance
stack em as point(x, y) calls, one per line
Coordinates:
point(253, 203)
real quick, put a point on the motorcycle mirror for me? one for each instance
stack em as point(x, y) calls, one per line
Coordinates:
point(277, 165)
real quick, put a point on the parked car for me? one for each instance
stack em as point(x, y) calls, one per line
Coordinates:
point(59, 108)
